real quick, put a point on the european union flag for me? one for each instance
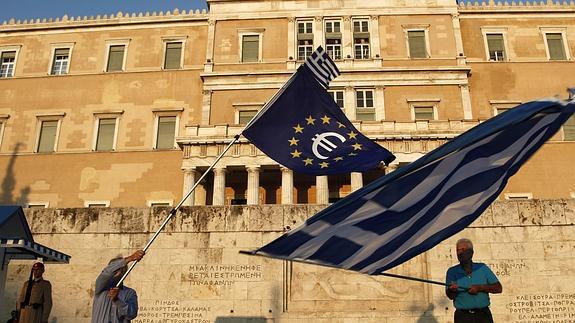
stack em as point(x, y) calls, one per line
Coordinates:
point(306, 131)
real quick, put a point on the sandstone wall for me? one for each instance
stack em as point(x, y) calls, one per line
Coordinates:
point(194, 273)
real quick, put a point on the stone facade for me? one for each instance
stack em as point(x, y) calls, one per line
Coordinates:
point(194, 273)
point(214, 87)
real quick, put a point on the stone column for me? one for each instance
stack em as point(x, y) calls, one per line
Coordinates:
point(209, 64)
point(349, 102)
point(347, 38)
point(287, 185)
point(356, 181)
point(375, 46)
point(461, 61)
point(206, 106)
point(219, 195)
point(379, 103)
point(321, 190)
point(253, 184)
point(189, 181)
point(291, 48)
point(466, 101)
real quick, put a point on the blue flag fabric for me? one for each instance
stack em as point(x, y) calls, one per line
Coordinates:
point(306, 131)
point(414, 208)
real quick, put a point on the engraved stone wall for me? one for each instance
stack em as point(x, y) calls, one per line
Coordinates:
point(194, 273)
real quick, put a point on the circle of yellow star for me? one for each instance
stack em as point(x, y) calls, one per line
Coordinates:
point(340, 125)
point(338, 158)
point(296, 154)
point(310, 120)
point(298, 128)
point(293, 141)
point(308, 161)
point(325, 119)
point(352, 135)
point(324, 165)
point(352, 154)
point(356, 146)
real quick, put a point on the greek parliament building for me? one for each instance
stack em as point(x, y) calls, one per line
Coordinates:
point(105, 120)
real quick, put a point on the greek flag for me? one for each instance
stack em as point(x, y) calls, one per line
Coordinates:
point(322, 67)
point(414, 208)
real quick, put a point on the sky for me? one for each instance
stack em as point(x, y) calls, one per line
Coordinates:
point(27, 9)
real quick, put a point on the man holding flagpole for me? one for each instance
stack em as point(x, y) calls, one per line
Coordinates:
point(470, 284)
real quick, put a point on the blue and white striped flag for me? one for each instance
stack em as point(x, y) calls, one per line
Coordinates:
point(414, 208)
point(322, 67)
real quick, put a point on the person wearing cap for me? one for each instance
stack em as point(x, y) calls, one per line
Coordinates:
point(115, 304)
point(35, 301)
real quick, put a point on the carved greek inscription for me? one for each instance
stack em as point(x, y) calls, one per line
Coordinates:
point(171, 311)
point(510, 267)
point(543, 308)
point(221, 274)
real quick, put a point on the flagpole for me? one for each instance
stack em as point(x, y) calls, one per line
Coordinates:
point(421, 280)
point(175, 209)
point(236, 138)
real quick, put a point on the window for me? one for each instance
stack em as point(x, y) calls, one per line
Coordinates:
point(304, 39)
point(361, 38)
point(333, 38)
point(250, 48)
point(159, 203)
point(496, 47)
point(364, 104)
point(60, 61)
point(417, 44)
point(500, 106)
point(116, 57)
point(569, 129)
point(47, 136)
point(555, 46)
point(500, 109)
point(8, 61)
point(173, 55)
point(165, 137)
point(245, 116)
point(106, 133)
point(518, 196)
point(337, 96)
point(423, 113)
point(96, 204)
point(37, 205)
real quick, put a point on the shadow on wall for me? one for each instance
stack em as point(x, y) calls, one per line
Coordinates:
point(9, 182)
point(241, 319)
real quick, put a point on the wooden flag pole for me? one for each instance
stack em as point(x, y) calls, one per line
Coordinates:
point(175, 209)
point(236, 139)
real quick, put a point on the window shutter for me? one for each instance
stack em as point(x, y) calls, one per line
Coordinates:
point(423, 113)
point(495, 42)
point(47, 136)
point(166, 132)
point(556, 49)
point(61, 52)
point(250, 48)
point(6, 55)
point(106, 130)
point(417, 44)
point(173, 55)
point(246, 115)
point(116, 58)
